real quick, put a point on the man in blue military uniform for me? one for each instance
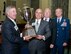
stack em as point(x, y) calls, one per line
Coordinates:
point(62, 34)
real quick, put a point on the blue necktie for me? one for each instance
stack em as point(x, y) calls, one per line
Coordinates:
point(58, 21)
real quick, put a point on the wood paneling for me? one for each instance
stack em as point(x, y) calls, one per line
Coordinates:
point(62, 4)
point(34, 4)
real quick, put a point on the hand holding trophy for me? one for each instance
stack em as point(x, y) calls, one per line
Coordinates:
point(28, 30)
point(27, 38)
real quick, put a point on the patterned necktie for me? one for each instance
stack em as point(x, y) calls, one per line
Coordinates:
point(37, 26)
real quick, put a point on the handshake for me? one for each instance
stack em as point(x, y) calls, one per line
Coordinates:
point(39, 37)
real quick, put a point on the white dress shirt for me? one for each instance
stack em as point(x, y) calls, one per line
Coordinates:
point(46, 19)
point(37, 24)
point(59, 19)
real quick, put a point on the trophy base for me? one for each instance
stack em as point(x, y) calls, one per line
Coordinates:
point(29, 32)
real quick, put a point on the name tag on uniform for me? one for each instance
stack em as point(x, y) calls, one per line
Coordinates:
point(16, 28)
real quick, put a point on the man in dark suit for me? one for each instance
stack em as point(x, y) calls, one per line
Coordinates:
point(37, 44)
point(10, 33)
point(62, 34)
point(50, 40)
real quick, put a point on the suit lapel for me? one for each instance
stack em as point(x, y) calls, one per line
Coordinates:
point(61, 21)
point(33, 21)
point(56, 20)
point(12, 24)
point(10, 20)
point(41, 23)
point(50, 20)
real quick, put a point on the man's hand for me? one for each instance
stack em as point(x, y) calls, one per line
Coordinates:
point(51, 45)
point(64, 44)
point(39, 37)
point(27, 38)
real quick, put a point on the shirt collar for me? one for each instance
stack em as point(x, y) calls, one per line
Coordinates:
point(60, 18)
point(39, 20)
point(47, 19)
point(12, 20)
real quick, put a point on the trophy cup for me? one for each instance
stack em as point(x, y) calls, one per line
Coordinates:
point(26, 15)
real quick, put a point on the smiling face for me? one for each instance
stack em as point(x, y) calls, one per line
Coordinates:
point(38, 14)
point(47, 13)
point(58, 12)
point(12, 13)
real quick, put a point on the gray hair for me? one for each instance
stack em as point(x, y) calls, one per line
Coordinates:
point(8, 8)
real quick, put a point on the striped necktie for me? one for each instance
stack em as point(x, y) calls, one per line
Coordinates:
point(37, 26)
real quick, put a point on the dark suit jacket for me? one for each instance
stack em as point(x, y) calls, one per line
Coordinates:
point(52, 27)
point(62, 31)
point(43, 30)
point(11, 37)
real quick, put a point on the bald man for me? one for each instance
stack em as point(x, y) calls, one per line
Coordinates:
point(37, 44)
point(50, 40)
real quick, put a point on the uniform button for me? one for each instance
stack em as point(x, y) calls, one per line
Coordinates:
point(57, 34)
point(57, 31)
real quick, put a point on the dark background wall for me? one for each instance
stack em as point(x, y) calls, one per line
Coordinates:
point(34, 4)
point(62, 4)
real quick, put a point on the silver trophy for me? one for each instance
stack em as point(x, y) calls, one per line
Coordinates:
point(28, 30)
